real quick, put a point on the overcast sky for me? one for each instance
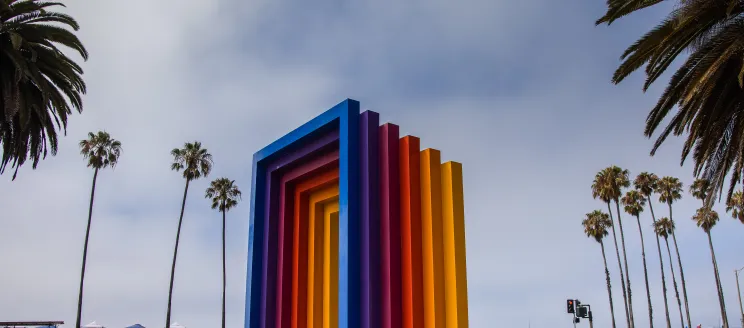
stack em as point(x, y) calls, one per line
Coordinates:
point(518, 91)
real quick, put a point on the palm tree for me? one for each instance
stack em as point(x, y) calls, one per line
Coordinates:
point(705, 88)
point(646, 184)
point(706, 219)
point(735, 205)
point(601, 190)
point(39, 84)
point(616, 180)
point(699, 189)
point(101, 151)
point(225, 195)
point(670, 189)
point(664, 228)
point(195, 162)
point(595, 226)
point(634, 202)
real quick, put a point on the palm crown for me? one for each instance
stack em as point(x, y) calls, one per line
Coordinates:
point(705, 218)
point(599, 189)
point(735, 205)
point(669, 189)
point(194, 160)
point(664, 227)
point(101, 150)
point(699, 188)
point(608, 183)
point(224, 194)
point(646, 183)
point(596, 225)
point(634, 202)
point(40, 84)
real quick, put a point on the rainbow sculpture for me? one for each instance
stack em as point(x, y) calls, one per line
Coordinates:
point(352, 226)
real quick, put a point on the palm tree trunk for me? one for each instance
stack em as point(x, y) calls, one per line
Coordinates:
point(625, 259)
point(224, 271)
point(175, 255)
point(738, 294)
point(609, 286)
point(681, 271)
point(645, 274)
point(620, 265)
point(85, 251)
point(721, 302)
point(674, 281)
point(661, 265)
point(719, 288)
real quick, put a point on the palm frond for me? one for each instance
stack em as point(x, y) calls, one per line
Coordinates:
point(621, 8)
point(224, 194)
point(39, 85)
point(193, 160)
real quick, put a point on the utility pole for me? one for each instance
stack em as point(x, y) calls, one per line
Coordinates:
point(738, 293)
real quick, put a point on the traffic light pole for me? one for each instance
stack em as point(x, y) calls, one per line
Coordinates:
point(578, 311)
point(574, 317)
point(738, 293)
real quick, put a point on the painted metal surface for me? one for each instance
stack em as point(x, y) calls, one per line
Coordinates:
point(412, 276)
point(271, 215)
point(283, 289)
point(330, 265)
point(431, 224)
point(369, 204)
point(316, 255)
point(453, 231)
point(342, 119)
point(300, 241)
point(390, 237)
point(352, 226)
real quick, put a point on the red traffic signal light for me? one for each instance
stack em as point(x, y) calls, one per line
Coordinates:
point(570, 306)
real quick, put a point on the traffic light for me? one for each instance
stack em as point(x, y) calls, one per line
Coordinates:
point(583, 312)
point(570, 306)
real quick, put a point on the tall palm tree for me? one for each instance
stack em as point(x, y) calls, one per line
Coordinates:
point(706, 219)
point(634, 202)
point(670, 190)
point(664, 227)
point(619, 180)
point(600, 190)
point(225, 195)
point(705, 88)
point(595, 226)
point(616, 180)
point(101, 151)
point(195, 162)
point(646, 183)
point(39, 84)
point(735, 205)
point(699, 189)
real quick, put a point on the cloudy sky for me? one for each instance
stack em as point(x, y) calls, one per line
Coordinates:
point(518, 91)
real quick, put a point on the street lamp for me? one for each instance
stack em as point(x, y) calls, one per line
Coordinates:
point(738, 293)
